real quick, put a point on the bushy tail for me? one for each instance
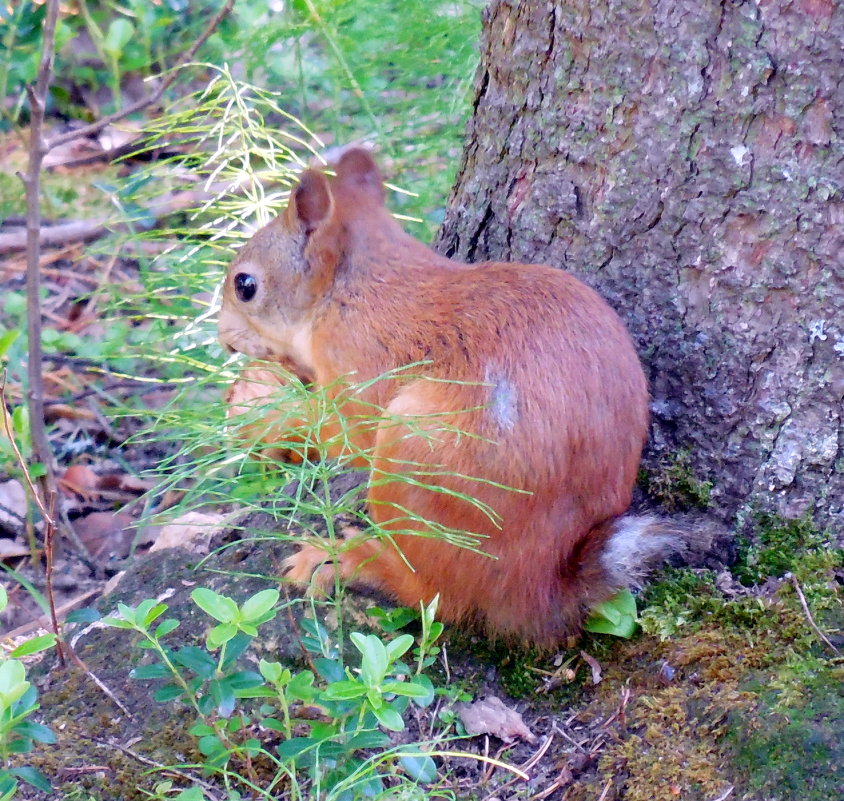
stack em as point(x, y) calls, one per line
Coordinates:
point(636, 545)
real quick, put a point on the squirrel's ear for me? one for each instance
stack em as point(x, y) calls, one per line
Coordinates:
point(310, 201)
point(356, 169)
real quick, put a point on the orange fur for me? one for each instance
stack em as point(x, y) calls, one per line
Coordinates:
point(551, 387)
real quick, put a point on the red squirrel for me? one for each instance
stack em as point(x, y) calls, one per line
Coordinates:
point(526, 360)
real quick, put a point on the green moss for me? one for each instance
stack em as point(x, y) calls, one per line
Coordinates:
point(775, 547)
point(673, 484)
point(795, 751)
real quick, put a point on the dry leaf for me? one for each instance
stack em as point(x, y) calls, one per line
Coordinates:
point(594, 666)
point(106, 535)
point(12, 505)
point(10, 549)
point(492, 716)
point(130, 483)
point(81, 480)
point(59, 411)
point(192, 530)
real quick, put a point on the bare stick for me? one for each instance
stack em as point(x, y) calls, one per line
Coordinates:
point(53, 235)
point(38, 148)
point(49, 551)
point(96, 127)
point(85, 230)
point(32, 182)
point(46, 514)
point(809, 617)
point(164, 768)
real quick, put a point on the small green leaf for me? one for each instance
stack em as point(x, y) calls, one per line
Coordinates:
point(210, 745)
point(345, 690)
point(301, 686)
point(428, 699)
point(155, 671)
point(217, 606)
point(200, 730)
point(86, 615)
point(169, 692)
point(20, 422)
point(259, 604)
point(13, 683)
point(223, 695)
point(34, 777)
point(372, 738)
point(119, 34)
point(420, 768)
point(399, 646)
point(273, 672)
point(330, 669)
point(220, 635)
point(35, 731)
point(617, 616)
point(295, 746)
point(409, 688)
point(389, 718)
point(118, 623)
point(393, 619)
point(35, 645)
point(165, 627)
point(196, 659)
point(375, 661)
point(7, 339)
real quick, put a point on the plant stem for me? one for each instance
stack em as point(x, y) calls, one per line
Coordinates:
point(41, 449)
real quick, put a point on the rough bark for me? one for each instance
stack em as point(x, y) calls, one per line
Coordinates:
point(685, 158)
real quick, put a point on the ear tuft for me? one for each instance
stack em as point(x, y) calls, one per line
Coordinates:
point(356, 169)
point(311, 200)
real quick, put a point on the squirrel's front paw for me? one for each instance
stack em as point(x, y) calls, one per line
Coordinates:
point(310, 566)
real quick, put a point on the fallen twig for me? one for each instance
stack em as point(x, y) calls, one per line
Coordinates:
point(43, 621)
point(55, 235)
point(86, 230)
point(809, 617)
point(209, 788)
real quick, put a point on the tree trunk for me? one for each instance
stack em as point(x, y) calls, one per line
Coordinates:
point(685, 158)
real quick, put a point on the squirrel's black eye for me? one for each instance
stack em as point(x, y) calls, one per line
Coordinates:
point(245, 287)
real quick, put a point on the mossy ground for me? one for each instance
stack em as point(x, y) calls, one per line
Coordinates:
point(727, 686)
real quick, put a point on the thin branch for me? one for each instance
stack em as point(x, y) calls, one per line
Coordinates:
point(809, 617)
point(46, 514)
point(49, 551)
point(193, 779)
point(85, 230)
point(155, 95)
point(32, 182)
point(54, 235)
